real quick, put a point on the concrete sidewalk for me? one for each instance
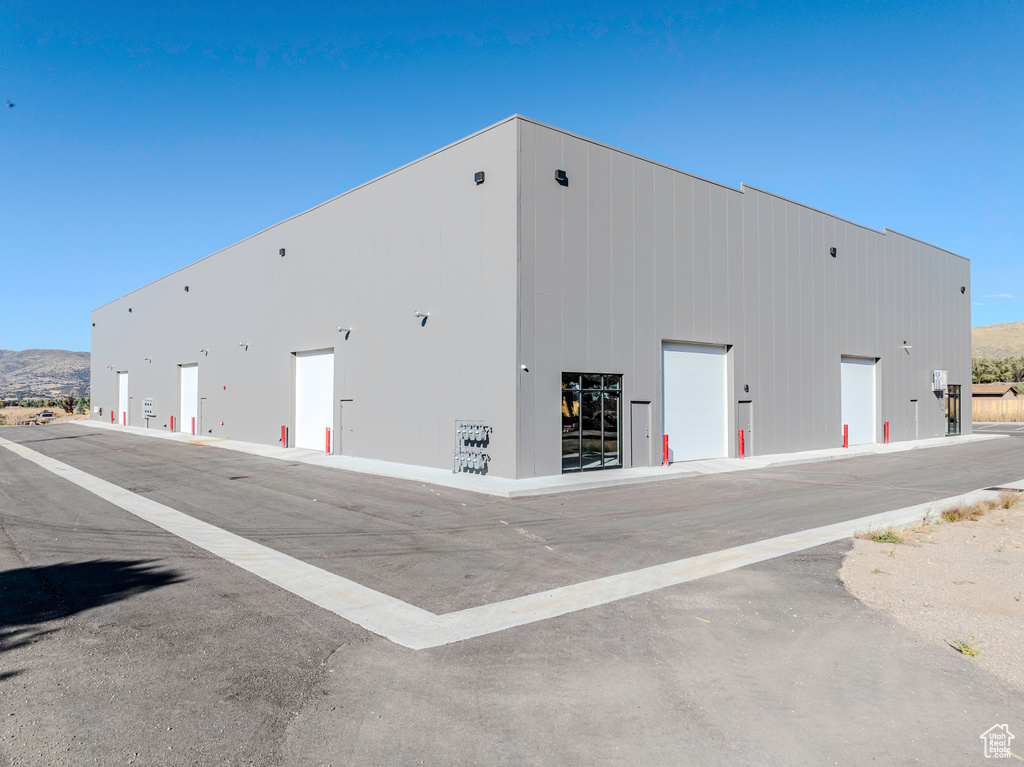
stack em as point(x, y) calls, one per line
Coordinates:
point(560, 483)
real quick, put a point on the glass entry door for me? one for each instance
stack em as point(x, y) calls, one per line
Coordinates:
point(952, 410)
point(591, 421)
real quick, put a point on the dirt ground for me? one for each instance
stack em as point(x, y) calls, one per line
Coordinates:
point(954, 583)
point(15, 416)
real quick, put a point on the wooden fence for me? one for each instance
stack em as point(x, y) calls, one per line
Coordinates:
point(997, 409)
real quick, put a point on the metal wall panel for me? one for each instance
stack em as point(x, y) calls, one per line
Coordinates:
point(422, 237)
point(750, 270)
point(523, 271)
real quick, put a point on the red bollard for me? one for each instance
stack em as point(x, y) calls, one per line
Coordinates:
point(124, 417)
point(193, 426)
point(172, 423)
point(328, 440)
point(664, 451)
point(846, 435)
point(111, 416)
point(741, 443)
point(284, 436)
point(887, 432)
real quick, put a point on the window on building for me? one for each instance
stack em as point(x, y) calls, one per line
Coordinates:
point(591, 421)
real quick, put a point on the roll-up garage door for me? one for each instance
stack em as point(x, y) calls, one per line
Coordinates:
point(188, 385)
point(314, 395)
point(122, 398)
point(857, 380)
point(694, 401)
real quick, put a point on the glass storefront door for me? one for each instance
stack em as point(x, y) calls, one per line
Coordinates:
point(591, 421)
point(952, 410)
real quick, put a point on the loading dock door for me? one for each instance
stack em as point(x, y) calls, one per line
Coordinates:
point(314, 398)
point(122, 398)
point(188, 385)
point(694, 401)
point(857, 379)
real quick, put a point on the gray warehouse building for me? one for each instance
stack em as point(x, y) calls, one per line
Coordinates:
point(532, 302)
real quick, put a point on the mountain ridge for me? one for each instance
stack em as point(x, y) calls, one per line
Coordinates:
point(32, 373)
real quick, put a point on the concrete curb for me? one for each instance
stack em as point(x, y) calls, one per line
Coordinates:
point(536, 486)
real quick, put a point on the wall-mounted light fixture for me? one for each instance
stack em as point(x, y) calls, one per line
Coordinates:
point(907, 347)
point(562, 177)
point(110, 367)
point(186, 288)
point(245, 344)
point(129, 310)
point(524, 368)
point(147, 359)
point(344, 330)
point(281, 252)
point(832, 252)
point(478, 177)
point(418, 313)
point(204, 351)
point(963, 289)
point(746, 387)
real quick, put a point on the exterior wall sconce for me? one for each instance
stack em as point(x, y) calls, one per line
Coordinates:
point(832, 252)
point(147, 359)
point(186, 288)
point(204, 351)
point(478, 177)
point(344, 330)
point(245, 344)
point(281, 252)
point(562, 177)
point(110, 367)
point(963, 289)
point(418, 313)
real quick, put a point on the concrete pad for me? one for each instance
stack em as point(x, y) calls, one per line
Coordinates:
point(559, 483)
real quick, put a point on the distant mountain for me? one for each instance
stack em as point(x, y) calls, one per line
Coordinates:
point(43, 373)
point(998, 340)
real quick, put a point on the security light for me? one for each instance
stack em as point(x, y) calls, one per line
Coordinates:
point(280, 252)
point(418, 313)
point(478, 177)
point(147, 359)
point(963, 289)
point(832, 252)
point(562, 177)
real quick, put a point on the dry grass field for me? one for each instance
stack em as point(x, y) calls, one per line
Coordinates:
point(18, 416)
point(998, 340)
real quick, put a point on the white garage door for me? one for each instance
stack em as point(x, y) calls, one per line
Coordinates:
point(122, 398)
point(694, 401)
point(314, 395)
point(857, 380)
point(188, 381)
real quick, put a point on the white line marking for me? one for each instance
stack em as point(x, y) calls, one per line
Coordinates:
point(418, 629)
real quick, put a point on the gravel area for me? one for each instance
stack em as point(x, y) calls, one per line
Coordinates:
point(953, 582)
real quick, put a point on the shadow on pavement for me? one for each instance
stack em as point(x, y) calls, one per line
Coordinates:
point(33, 595)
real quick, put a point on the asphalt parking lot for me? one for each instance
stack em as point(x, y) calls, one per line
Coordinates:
point(1009, 429)
point(120, 642)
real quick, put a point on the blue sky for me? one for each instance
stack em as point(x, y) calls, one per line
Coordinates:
point(145, 137)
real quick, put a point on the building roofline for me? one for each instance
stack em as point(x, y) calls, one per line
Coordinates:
point(315, 207)
point(741, 188)
point(522, 118)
